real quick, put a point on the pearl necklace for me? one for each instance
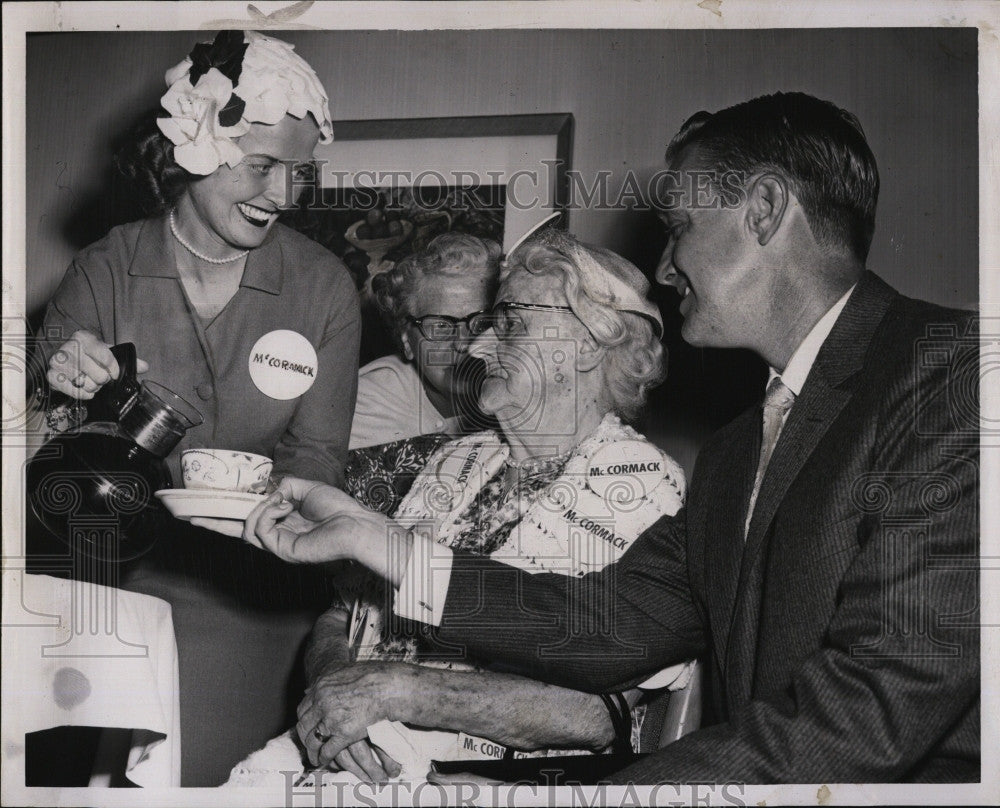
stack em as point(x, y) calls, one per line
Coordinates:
point(195, 253)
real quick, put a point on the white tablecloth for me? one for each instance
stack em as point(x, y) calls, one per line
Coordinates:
point(77, 654)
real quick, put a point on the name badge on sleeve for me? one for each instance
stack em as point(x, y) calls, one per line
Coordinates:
point(283, 364)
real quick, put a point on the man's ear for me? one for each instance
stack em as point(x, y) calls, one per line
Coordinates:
point(590, 355)
point(407, 348)
point(767, 201)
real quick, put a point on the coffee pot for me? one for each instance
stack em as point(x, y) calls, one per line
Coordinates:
point(92, 487)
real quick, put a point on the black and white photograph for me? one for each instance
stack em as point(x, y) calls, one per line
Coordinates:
point(500, 403)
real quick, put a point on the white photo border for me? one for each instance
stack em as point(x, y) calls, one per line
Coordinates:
point(21, 18)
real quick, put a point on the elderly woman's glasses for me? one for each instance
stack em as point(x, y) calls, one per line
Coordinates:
point(504, 321)
point(442, 328)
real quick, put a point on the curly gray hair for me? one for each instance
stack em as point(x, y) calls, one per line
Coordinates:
point(609, 296)
point(450, 255)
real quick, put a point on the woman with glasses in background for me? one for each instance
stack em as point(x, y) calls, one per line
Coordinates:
point(427, 300)
point(571, 349)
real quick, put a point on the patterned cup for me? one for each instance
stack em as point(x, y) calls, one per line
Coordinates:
point(225, 470)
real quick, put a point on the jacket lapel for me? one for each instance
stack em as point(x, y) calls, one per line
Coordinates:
point(826, 392)
point(725, 525)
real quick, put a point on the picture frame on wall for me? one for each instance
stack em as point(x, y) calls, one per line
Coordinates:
point(383, 189)
point(529, 155)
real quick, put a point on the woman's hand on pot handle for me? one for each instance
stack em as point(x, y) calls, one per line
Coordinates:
point(83, 364)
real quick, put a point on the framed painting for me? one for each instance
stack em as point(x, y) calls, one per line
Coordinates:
point(526, 155)
point(385, 188)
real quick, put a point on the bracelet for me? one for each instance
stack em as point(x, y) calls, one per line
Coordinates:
point(621, 721)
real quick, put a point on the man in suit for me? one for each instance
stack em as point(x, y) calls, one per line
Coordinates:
point(826, 564)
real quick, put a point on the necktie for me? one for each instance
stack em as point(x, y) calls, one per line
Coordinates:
point(777, 401)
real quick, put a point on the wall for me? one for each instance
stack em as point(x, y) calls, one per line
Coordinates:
point(914, 90)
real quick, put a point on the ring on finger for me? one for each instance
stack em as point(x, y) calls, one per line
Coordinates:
point(80, 380)
point(320, 736)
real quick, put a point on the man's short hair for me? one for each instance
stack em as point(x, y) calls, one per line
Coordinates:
point(819, 148)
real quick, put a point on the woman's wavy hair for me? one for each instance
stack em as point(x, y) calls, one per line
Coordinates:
point(450, 255)
point(146, 157)
point(635, 359)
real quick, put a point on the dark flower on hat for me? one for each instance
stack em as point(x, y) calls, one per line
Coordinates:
point(225, 54)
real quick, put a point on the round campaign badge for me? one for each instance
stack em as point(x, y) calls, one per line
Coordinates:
point(283, 364)
point(625, 472)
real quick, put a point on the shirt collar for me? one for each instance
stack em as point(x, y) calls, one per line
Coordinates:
point(802, 360)
point(153, 257)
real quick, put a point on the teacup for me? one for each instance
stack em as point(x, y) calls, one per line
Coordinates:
point(225, 470)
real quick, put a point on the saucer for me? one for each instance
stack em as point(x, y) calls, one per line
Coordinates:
point(185, 503)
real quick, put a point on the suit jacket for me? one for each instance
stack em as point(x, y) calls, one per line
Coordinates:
point(841, 639)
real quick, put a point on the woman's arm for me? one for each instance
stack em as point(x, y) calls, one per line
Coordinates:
point(80, 321)
point(74, 307)
point(505, 708)
point(73, 344)
point(327, 647)
point(327, 651)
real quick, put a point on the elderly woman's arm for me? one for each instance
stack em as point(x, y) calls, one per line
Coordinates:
point(327, 651)
point(327, 646)
point(505, 708)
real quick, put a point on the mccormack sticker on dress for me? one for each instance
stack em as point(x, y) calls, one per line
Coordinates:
point(283, 364)
point(626, 471)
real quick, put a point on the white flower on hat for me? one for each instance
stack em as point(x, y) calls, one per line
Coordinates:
point(201, 143)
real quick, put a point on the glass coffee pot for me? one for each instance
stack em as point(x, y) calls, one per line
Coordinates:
point(92, 487)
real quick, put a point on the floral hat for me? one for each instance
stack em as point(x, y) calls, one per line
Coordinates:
point(241, 78)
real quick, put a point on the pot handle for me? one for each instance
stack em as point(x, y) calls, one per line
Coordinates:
point(122, 392)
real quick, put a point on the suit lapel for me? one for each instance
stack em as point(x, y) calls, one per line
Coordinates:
point(725, 525)
point(826, 392)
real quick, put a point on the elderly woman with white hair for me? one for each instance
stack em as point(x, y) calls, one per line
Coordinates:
point(571, 349)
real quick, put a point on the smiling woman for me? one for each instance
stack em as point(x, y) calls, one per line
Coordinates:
point(196, 286)
point(235, 207)
point(225, 306)
point(428, 301)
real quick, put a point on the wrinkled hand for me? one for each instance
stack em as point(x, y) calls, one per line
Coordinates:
point(83, 365)
point(306, 522)
point(367, 762)
point(342, 703)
